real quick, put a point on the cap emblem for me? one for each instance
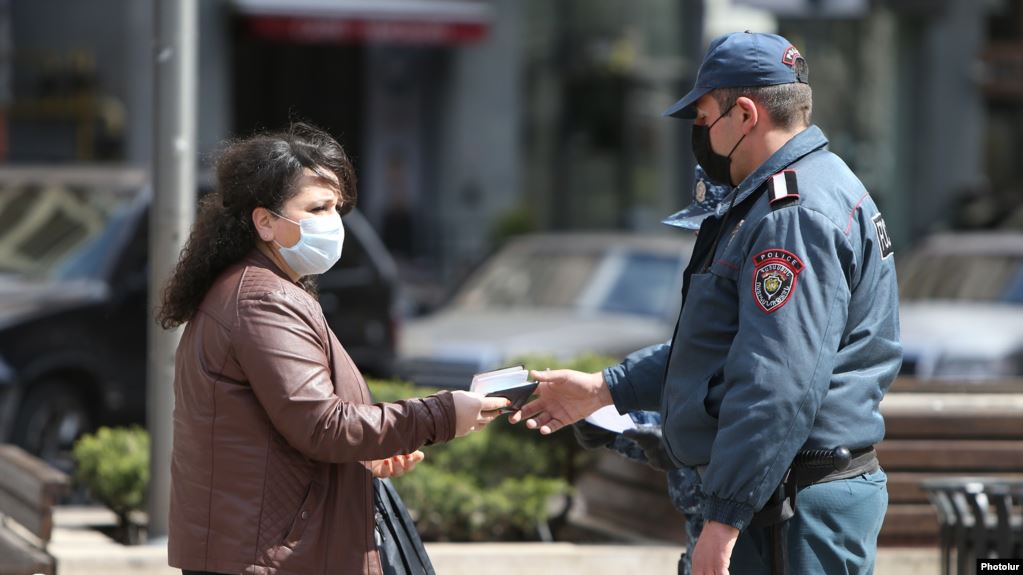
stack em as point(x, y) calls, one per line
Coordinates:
point(789, 56)
point(700, 194)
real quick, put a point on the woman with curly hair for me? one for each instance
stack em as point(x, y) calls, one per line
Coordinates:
point(276, 439)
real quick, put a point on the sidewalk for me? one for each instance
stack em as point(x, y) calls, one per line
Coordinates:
point(81, 550)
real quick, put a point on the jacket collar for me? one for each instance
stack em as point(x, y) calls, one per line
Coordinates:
point(259, 259)
point(802, 144)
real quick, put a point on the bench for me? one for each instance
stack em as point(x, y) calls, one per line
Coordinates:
point(979, 518)
point(29, 488)
point(933, 430)
point(944, 431)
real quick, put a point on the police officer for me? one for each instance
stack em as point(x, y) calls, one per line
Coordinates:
point(643, 443)
point(788, 336)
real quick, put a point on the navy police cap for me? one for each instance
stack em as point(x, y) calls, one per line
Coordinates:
point(743, 60)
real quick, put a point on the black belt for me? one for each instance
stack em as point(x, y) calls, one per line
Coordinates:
point(810, 467)
point(813, 466)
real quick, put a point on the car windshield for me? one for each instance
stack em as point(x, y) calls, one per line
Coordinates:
point(615, 281)
point(961, 277)
point(646, 285)
point(60, 231)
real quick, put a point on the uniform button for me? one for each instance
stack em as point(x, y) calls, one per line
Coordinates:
point(305, 515)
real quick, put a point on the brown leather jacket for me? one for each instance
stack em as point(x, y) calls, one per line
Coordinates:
point(272, 422)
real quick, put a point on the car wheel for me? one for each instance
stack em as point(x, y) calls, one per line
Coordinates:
point(51, 417)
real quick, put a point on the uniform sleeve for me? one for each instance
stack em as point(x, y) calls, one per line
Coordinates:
point(793, 305)
point(636, 383)
point(285, 362)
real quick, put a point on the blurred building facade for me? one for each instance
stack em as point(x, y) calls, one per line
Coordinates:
point(922, 98)
point(472, 119)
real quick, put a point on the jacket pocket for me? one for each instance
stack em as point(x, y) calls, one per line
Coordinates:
point(689, 420)
point(699, 408)
point(725, 268)
point(302, 517)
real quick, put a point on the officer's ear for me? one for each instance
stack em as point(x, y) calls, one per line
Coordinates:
point(750, 113)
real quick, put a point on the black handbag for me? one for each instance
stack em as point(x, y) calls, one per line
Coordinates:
point(401, 549)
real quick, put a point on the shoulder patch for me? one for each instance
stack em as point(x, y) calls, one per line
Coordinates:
point(884, 241)
point(781, 187)
point(775, 273)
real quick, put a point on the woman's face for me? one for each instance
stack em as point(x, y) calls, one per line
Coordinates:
point(315, 198)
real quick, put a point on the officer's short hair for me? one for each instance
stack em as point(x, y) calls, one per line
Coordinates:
point(789, 105)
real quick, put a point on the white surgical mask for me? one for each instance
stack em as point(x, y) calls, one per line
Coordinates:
point(319, 245)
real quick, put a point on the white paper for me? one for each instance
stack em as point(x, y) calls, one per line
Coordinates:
point(608, 418)
point(491, 381)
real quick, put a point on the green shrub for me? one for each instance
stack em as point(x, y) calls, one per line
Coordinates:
point(497, 483)
point(113, 464)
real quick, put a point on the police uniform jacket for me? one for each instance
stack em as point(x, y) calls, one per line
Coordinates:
point(788, 336)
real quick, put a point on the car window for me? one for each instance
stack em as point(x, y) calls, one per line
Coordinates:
point(645, 284)
point(1014, 291)
point(91, 257)
point(960, 277)
point(61, 231)
point(530, 279)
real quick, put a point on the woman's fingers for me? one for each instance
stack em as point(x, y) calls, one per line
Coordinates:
point(397, 465)
point(384, 469)
point(472, 410)
point(488, 404)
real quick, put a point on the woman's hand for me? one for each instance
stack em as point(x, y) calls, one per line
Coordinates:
point(395, 466)
point(474, 411)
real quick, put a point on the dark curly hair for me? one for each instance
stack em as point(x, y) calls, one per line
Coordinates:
point(260, 171)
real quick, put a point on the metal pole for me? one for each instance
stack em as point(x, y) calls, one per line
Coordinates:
point(692, 50)
point(170, 218)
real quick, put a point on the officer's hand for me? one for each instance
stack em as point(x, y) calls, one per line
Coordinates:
point(565, 397)
point(713, 551)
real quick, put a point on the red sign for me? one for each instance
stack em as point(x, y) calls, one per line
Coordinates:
point(334, 30)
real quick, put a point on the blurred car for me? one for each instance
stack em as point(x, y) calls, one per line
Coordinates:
point(961, 307)
point(74, 285)
point(559, 294)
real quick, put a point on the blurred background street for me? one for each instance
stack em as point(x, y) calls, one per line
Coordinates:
point(514, 169)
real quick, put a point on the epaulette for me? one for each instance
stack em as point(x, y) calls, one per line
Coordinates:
point(783, 189)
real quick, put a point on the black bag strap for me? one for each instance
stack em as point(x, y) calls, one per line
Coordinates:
point(401, 548)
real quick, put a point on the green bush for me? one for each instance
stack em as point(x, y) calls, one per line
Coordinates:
point(113, 464)
point(497, 483)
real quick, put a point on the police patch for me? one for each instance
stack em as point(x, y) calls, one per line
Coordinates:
point(774, 278)
point(884, 241)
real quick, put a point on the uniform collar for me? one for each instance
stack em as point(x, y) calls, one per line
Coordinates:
point(809, 140)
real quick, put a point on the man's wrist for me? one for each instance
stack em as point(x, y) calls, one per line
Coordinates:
point(603, 391)
point(720, 530)
point(728, 512)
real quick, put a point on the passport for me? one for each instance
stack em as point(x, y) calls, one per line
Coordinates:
point(512, 383)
